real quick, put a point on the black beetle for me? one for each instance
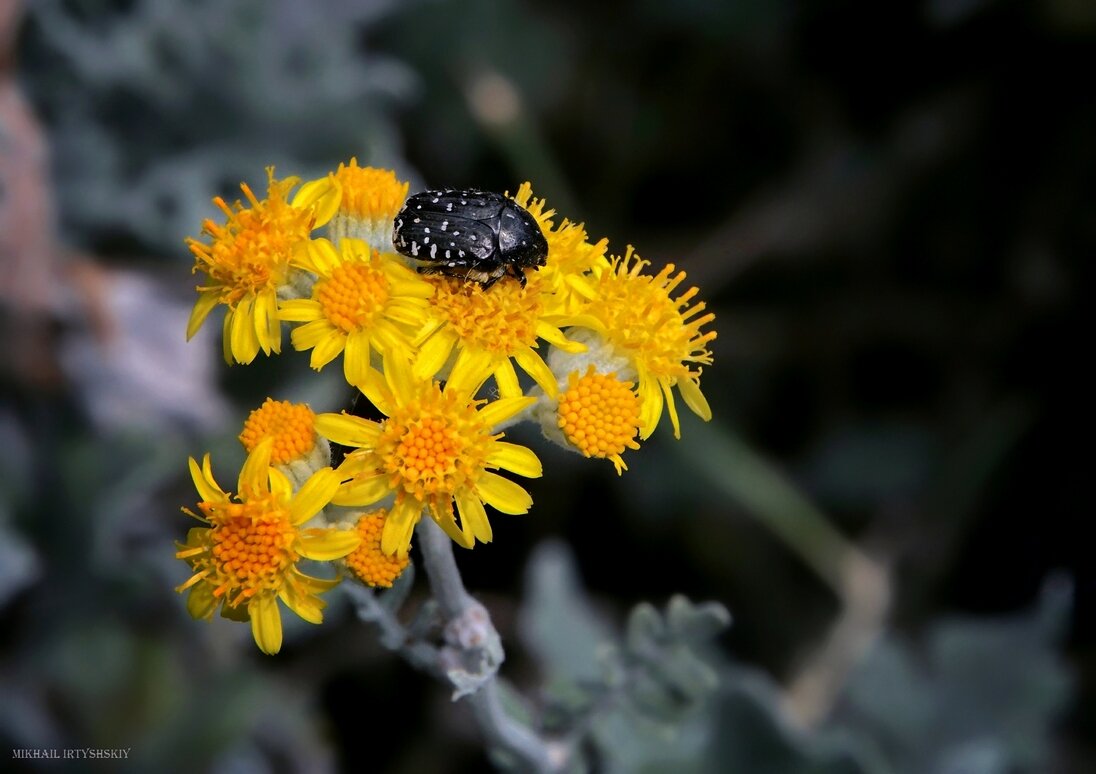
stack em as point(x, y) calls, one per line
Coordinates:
point(477, 235)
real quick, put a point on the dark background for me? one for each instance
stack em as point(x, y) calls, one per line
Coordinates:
point(890, 208)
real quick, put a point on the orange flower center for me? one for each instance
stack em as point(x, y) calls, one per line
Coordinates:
point(252, 546)
point(291, 425)
point(599, 414)
point(252, 250)
point(369, 193)
point(367, 562)
point(501, 320)
point(353, 295)
point(433, 446)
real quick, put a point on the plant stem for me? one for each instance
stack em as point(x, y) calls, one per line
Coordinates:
point(501, 730)
point(441, 569)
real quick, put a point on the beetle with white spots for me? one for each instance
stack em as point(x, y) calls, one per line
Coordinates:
point(490, 235)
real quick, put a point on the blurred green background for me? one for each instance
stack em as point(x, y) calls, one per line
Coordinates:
point(889, 208)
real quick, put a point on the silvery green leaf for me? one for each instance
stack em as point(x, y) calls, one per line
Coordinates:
point(971, 694)
point(557, 623)
point(646, 630)
point(751, 734)
point(696, 622)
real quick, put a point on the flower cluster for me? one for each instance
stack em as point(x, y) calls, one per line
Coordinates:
point(590, 346)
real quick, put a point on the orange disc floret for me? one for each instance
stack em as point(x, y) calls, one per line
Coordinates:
point(252, 548)
point(252, 250)
point(290, 425)
point(368, 563)
point(368, 192)
point(501, 320)
point(600, 415)
point(434, 447)
point(353, 295)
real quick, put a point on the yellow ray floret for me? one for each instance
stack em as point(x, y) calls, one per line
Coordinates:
point(247, 260)
point(436, 449)
point(640, 319)
point(245, 558)
point(570, 254)
point(362, 302)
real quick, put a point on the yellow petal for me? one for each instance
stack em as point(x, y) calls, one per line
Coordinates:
point(503, 494)
point(306, 607)
point(267, 328)
point(387, 338)
point(533, 365)
point(473, 517)
point(279, 484)
point(461, 535)
point(348, 430)
point(310, 585)
point(429, 328)
point(506, 379)
point(299, 310)
point(318, 256)
point(266, 623)
point(327, 349)
point(670, 406)
point(502, 409)
point(207, 471)
point(326, 205)
point(324, 545)
point(375, 389)
point(433, 354)
point(207, 488)
point(245, 343)
point(470, 371)
point(515, 458)
point(363, 490)
point(313, 496)
point(694, 398)
point(398, 377)
point(311, 333)
point(356, 357)
point(314, 190)
point(650, 405)
point(398, 527)
point(202, 307)
point(226, 337)
point(555, 337)
point(253, 475)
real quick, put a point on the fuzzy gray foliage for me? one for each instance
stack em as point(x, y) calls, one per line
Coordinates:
point(155, 105)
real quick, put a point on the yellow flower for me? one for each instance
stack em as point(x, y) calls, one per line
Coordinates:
point(367, 562)
point(363, 301)
point(247, 261)
point(368, 200)
point(298, 449)
point(291, 426)
point(570, 254)
point(486, 328)
point(598, 415)
point(639, 319)
point(245, 560)
point(437, 447)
